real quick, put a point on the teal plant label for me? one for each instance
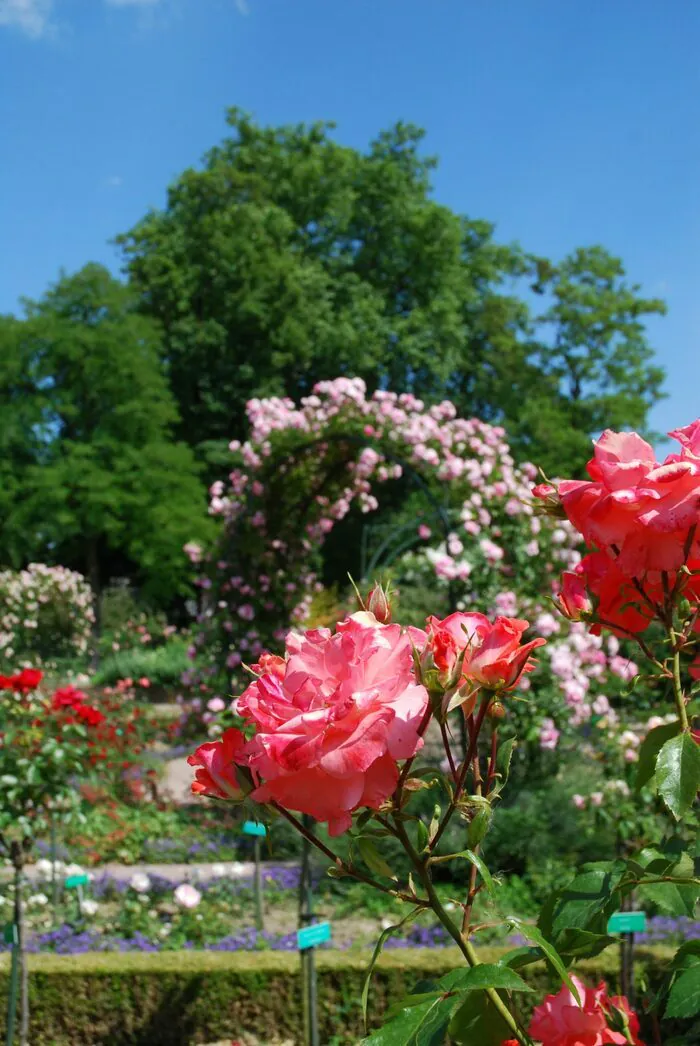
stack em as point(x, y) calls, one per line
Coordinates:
point(627, 922)
point(254, 828)
point(310, 936)
point(10, 933)
point(74, 881)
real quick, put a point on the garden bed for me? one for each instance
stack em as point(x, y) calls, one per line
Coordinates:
point(179, 999)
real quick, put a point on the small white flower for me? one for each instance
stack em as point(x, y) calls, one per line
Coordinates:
point(218, 871)
point(140, 882)
point(89, 907)
point(73, 869)
point(38, 900)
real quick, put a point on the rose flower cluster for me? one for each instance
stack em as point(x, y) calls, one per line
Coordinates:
point(641, 519)
point(334, 717)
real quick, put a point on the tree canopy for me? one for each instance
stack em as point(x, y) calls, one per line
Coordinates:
point(284, 259)
point(97, 483)
point(288, 258)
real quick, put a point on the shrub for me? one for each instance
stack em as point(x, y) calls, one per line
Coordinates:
point(47, 614)
point(179, 998)
point(162, 666)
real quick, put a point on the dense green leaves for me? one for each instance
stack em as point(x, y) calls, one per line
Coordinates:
point(101, 486)
point(288, 258)
point(678, 773)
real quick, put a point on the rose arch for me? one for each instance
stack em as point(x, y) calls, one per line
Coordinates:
point(468, 516)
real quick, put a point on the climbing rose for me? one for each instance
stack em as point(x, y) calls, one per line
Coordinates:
point(494, 657)
point(560, 1021)
point(215, 764)
point(330, 729)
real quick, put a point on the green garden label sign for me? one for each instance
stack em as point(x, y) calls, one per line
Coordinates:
point(254, 828)
point(310, 936)
point(10, 933)
point(73, 881)
point(627, 922)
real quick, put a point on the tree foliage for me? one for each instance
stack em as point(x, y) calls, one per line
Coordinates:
point(289, 258)
point(98, 483)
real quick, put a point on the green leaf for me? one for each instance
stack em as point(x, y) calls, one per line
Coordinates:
point(373, 859)
point(477, 1021)
point(422, 1025)
point(684, 999)
point(649, 751)
point(486, 975)
point(549, 952)
point(678, 773)
point(582, 944)
point(383, 937)
point(478, 863)
point(584, 903)
point(434, 823)
point(516, 958)
point(503, 761)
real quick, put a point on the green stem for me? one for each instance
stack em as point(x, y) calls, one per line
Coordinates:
point(678, 692)
point(465, 946)
point(339, 863)
point(469, 756)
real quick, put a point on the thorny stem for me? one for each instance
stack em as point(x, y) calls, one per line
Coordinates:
point(340, 864)
point(466, 948)
point(448, 749)
point(491, 774)
point(678, 692)
point(473, 740)
point(471, 894)
point(646, 649)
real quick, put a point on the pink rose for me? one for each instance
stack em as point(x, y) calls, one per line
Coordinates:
point(187, 896)
point(639, 511)
point(215, 764)
point(494, 659)
point(579, 801)
point(560, 1021)
point(332, 721)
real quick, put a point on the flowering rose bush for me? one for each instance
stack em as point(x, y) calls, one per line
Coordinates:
point(318, 722)
point(47, 613)
point(305, 468)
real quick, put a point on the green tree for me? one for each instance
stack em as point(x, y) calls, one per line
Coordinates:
point(289, 258)
point(105, 489)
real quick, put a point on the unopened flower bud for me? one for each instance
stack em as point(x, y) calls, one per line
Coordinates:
point(573, 599)
point(497, 710)
point(378, 603)
point(549, 501)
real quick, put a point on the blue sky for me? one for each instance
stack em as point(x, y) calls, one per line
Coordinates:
point(564, 123)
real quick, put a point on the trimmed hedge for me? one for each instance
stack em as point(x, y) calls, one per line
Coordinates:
point(182, 998)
